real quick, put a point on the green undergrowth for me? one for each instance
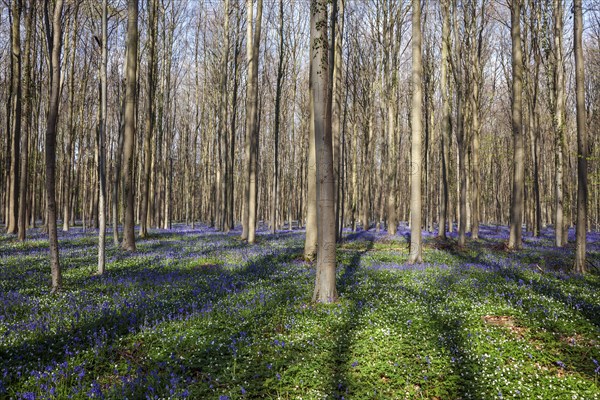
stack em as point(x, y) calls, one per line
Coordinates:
point(201, 315)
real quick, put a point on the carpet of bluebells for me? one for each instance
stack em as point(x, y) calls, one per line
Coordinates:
point(198, 314)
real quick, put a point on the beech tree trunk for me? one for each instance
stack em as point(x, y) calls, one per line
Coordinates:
point(150, 114)
point(54, 41)
point(446, 140)
point(102, 142)
point(325, 290)
point(416, 117)
point(15, 117)
point(559, 124)
point(582, 145)
point(27, 112)
point(252, 53)
point(517, 201)
point(129, 117)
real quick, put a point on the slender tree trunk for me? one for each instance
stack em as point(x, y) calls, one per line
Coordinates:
point(16, 90)
point(129, 117)
point(337, 28)
point(582, 143)
point(102, 141)
point(416, 115)
point(150, 114)
point(117, 174)
point(462, 171)
point(559, 124)
point(446, 129)
point(252, 53)
point(277, 118)
point(27, 112)
point(516, 217)
point(54, 41)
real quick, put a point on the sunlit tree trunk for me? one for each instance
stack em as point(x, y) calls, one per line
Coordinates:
point(559, 123)
point(277, 119)
point(416, 116)
point(252, 53)
point(54, 41)
point(582, 144)
point(102, 141)
point(517, 201)
point(446, 129)
point(150, 114)
point(325, 290)
point(27, 113)
point(129, 133)
point(15, 117)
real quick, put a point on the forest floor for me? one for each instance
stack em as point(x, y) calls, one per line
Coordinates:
point(196, 313)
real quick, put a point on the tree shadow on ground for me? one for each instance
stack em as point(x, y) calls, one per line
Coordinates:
point(103, 324)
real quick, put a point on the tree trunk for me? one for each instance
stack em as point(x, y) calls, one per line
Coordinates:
point(277, 118)
point(54, 41)
point(325, 290)
point(582, 143)
point(27, 112)
point(559, 124)
point(15, 153)
point(446, 129)
point(150, 114)
point(516, 213)
point(129, 117)
point(102, 142)
point(416, 115)
point(252, 52)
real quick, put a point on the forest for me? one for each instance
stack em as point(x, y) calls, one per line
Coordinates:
point(347, 199)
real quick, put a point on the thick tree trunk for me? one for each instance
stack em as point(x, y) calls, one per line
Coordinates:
point(325, 290)
point(416, 116)
point(516, 213)
point(582, 143)
point(54, 41)
point(129, 133)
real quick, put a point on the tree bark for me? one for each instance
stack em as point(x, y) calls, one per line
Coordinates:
point(559, 123)
point(325, 290)
point(252, 53)
point(27, 112)
point(102, 142)
point(416, 115)
point(54, 41)
point(277, 119)
point(516, 217)
point(129, 117)
point(446, 129)
point(15, 117)
point(582, 143)
point(150, 114)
